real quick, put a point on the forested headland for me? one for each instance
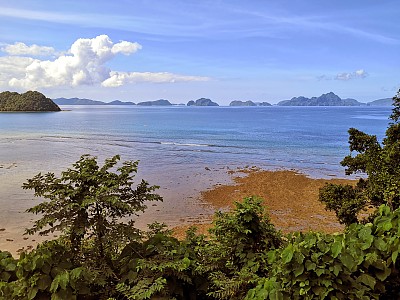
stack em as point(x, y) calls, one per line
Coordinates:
point(29, 101)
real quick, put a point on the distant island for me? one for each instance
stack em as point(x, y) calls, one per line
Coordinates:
point(248, 103)
point(328, 99)
point(29, 101)
point(202, 102)
point(381, 102)
point(79, 101)
point(161, 102)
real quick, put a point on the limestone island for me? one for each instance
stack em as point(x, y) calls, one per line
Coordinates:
point(202, 102)
point(329, 99)
point(160, 102)
point(248, 103)
point(29, 101)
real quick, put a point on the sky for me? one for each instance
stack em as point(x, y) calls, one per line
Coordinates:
point(181, 50)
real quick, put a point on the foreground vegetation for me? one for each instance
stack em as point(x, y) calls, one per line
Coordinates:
point(101, 255)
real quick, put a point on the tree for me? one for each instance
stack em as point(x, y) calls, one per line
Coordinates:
point(234, 258)
point(381, 164)
point(87, 203)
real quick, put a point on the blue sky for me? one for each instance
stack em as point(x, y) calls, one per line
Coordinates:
point(182, 50)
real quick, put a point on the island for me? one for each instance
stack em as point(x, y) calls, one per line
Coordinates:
point(84, 101)
point(381, 102)
point(161, 102)
point(202, 102)
point(29, 101)
point(329, 99)
point(248, 103)
point(242, 103)
point(118, 102)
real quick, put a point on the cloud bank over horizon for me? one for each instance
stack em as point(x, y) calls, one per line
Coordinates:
point(85, 63)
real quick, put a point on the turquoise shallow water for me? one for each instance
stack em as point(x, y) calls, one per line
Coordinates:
point(174, 146)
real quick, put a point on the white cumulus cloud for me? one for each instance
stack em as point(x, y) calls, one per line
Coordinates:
point(348, 76)
point(120, 78)
point(19, 48)
point(85, 63)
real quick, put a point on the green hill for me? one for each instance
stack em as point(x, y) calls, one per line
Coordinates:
point(29, 101)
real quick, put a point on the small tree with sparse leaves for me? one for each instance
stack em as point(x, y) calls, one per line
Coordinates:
point(87, 204)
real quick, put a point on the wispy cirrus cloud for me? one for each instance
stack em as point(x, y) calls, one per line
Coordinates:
point(199, 20)
point(85, 63)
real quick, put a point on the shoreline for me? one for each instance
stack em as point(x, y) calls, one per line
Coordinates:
point(291, 198)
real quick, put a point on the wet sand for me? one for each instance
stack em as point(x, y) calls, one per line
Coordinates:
point(291, 199)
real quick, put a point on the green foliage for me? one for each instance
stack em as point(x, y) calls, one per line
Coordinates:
point(161, 266)
point(243, 258)
point(345, 200)
point(223, 266)
point(358, 264)
point(29, 101)
point(234, 257)
point(381, 165)
point(49, 272)
point(87, 203)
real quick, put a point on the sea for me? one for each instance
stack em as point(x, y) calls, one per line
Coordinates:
point(184, 150)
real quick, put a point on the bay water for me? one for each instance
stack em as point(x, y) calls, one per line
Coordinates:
point(182, 149)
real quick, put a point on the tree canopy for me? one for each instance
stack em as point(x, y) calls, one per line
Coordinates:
point(29, 101)
point(380, 165)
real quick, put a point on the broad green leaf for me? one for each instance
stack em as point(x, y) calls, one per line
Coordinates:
point(298, 270)
point(11, 266)
point(348, 261)
point(32, 293)
point(368, 280)
point(336, 248)
point(44, 282)
point(383, 274)
point(275, 295)
point(287, 254)
point(336, 269)
point(394, 256)
point(55, 283)
point(380, 244)
point(310, 265)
